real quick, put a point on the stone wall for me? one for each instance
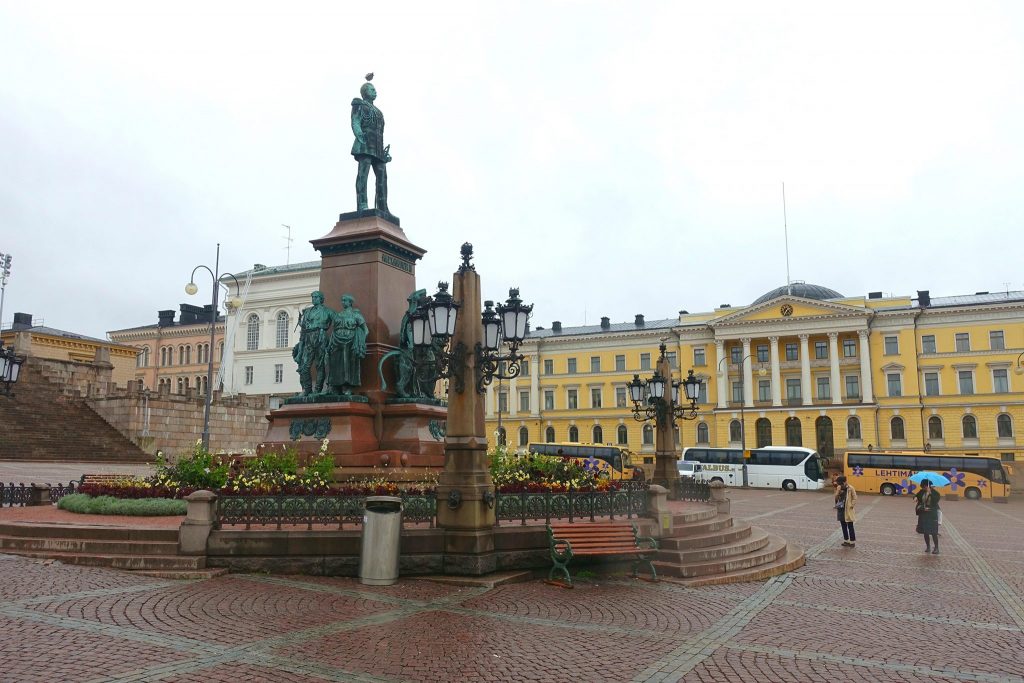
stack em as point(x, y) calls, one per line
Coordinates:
point(76, 379)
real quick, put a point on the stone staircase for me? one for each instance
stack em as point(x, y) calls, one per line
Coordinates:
point(153, 552)
point(707, 547)
point(41, 423)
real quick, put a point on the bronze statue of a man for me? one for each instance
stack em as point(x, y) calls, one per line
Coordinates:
point(311, 352)
point(368, 148)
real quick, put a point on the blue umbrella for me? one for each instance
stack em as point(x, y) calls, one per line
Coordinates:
point(935, 478)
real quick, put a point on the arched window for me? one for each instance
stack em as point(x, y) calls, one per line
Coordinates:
point(163, 356)
point(1004, 426)
point(794, 432)
point(648, 435)
point(763, 427)
point(574, 434)
point(853, 429)
point(282, 330)
point(549, 435)
point(181, 385)
point(598, 434)
point(735, 431)
point(188, 355)
point(501, 436)
point(896, 429)
point(524, 436)
point(934, 427)
point(970, 427)
point(206, 386)
point(221, 350)
point(201, 353)
point(622, 435)
point(181, 355)
point(252, 334)
point(702, 433)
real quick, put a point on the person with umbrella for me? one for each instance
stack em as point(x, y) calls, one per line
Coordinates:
point(845, 502)
point(927, 509)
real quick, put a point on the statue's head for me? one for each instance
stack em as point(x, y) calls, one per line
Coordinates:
point(317, 297)
point(347, 300)
point(368, 92)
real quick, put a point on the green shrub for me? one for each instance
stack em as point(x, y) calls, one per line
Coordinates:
point(107, 505)
point(200, 469)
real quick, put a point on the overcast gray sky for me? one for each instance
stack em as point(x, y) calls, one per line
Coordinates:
point(608, 158)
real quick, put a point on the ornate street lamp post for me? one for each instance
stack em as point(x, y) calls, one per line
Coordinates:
point(10, 369)
point(234, 302)
point(659, 399)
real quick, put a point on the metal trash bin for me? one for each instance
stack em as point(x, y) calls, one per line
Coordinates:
point(382, 530)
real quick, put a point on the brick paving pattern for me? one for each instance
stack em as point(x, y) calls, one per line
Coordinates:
point(883, 611)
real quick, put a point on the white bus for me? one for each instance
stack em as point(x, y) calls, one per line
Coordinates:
point(785, 467)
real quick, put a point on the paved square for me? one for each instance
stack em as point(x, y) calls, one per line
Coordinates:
point(883, 611)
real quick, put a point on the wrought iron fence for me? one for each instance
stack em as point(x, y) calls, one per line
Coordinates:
point(628, 501)
point(58, 491)
point(685, 488)
point(15, 495)
point(313, 509)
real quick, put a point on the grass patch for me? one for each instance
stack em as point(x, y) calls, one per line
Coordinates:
point(108, 505)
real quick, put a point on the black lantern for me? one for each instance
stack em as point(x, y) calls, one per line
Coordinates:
point(442, 312)
point(492, 327)
point(650, 401)
point(10, 369)
point(515, 318)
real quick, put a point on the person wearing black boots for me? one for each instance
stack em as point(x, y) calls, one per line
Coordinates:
point(927, 509)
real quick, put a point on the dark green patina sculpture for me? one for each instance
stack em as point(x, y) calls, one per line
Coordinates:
point(347, 347)
point(311, 352)
point(416, 367)
point(368, 148)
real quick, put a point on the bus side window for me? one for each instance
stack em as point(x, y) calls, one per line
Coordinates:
point(904, 462)
point(734, 457)
point(880, 461)
point(930, 463)
point(857, 460)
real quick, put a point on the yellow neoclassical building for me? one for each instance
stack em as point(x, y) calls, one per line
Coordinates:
point(801, 365)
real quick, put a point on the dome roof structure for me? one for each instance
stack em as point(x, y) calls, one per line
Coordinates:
point(800, 289)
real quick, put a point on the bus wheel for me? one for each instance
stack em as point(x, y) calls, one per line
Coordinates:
point(888, 490)
point(718, 479)
point(972, 493)
point(789, 485)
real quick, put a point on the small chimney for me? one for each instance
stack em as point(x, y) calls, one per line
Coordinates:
point(726, 306)
point(976, 293)
point(684, 312)
point(22, 321)
point(556, 326)
point(639, 321)
point(924, 299)
point(257, 267)
point(189, 314)
point(606, 323)
point(874, 295)
point(207, 315)
point(165, 318)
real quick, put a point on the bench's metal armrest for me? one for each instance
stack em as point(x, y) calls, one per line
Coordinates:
point(561, 548)
point(652, 543)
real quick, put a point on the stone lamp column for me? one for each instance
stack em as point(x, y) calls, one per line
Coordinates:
point(665, 456)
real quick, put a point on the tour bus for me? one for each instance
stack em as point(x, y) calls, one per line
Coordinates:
point(615, 462)
point(889, 472)
point(786, 467)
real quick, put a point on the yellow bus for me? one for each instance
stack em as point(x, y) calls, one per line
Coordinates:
point(889, 472)
point(615, 462)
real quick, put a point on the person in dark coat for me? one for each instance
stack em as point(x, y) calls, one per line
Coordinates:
point(927, 509)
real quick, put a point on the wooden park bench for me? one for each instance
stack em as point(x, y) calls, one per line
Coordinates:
point(104, 478)
point(585, 539)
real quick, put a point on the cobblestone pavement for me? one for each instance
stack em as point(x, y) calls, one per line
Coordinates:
point(883, 611)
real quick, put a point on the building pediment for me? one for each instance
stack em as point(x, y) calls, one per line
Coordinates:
point(787, 310)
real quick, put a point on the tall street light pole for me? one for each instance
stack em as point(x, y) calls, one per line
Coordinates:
point(5, 274)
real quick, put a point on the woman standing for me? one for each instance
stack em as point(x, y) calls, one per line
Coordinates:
point(845, 504)
point(927, 509)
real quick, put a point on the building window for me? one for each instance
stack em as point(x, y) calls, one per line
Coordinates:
point(794, 432)
point(995, 340)
point(763, 429)
point(524, 367)
point(281, 337)
point(931, 384)
point(1006, 457)
point(598, 434)
point(200, 353)
point(762, 353)
point(524, 437)
point(1000, 381)
point(549, 367)
point(702, 393)
point(595, 397)
point(573, 399)
point(764, 390)
point(970, 427)
point(896, 429)
point(673, 361)
point(248, 374)
point(820, 350)
point(853, 429)
point(966, 380)
point(181, 386)
point(793, 390)
point(524, 401)
point(595, 363)
point(648, 438)
point(620, 397)
point(1004, 426)
point(737, 392)
point(849, 348)
point(735, 431)
point(278, 373)
point(699, 358)
point(501, 436)
point(928, 343)
point(502, 401)
point(620, 363)
point(791, 352)
point(549, 435)
point(736, 353)
point(892, 346)
point(252, 333)
point(622, 435)
point(645, 361)
point(894, 383)
point(571, 366)
point(220, 351)
point(963, 341)
point(852, 386)
point(181, 355)
point(702, 433)
point(549, 399)
point(824, 388)
point(935, 428)
point(574, 434)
